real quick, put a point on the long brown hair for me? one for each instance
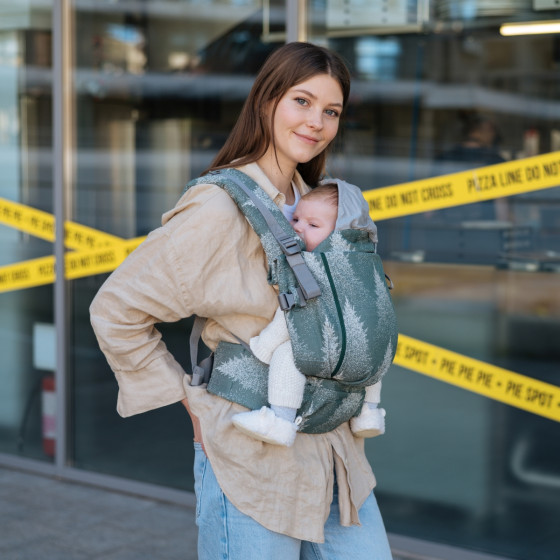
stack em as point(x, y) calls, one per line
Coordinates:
point(287, 66)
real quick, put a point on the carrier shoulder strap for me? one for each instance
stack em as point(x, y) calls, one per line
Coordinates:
point(286, 240)
point(308, 286)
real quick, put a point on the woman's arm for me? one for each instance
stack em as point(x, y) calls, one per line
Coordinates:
point(174, 273)
point(146, 289)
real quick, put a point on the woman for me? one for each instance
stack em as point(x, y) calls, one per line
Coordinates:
point(254, 500)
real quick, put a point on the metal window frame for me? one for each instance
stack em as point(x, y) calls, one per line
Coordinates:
point(63, 121)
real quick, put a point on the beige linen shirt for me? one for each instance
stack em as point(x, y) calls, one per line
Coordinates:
point(206, 260)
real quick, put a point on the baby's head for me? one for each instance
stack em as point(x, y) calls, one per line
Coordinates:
point(315, 215)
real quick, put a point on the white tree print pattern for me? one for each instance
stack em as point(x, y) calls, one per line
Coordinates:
point(246, 372)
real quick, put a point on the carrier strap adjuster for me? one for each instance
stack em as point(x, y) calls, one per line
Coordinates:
point(289, 244)
point(286, 301)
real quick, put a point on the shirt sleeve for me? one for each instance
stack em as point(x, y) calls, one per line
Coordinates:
point(168, 277)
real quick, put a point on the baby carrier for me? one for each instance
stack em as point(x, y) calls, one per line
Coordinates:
point(338, 311)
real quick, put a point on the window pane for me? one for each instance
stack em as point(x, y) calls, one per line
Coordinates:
point(27, 404)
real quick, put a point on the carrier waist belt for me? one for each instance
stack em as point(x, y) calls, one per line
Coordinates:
point(240, 377)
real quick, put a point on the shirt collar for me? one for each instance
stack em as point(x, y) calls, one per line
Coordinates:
point(258, 175)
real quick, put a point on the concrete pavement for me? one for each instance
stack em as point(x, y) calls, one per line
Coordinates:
point(42, 518)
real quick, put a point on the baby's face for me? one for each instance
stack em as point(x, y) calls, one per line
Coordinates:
point(314, 220)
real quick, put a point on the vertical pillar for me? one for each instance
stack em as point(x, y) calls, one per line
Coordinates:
point(62, 118)
point(296, 20)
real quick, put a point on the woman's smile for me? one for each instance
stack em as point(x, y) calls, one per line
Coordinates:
point(307, 139)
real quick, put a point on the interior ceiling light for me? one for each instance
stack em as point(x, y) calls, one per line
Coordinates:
point(530, 28)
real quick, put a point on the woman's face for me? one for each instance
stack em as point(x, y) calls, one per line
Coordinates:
point(306, 120)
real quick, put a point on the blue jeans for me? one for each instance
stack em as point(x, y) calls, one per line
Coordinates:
point(224, 533)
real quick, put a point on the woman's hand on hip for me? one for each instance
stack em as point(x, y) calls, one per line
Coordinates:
point(195, 423)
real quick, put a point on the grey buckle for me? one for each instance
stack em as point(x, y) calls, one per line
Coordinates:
point(197, 376)
point(289, 245)
point(286, 301)
point(201, 373)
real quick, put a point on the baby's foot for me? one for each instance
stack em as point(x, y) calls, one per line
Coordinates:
point(264, 425)
point(370, 422)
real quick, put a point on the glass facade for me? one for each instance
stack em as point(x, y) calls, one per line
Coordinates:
point(26, 324)
point(436, 89)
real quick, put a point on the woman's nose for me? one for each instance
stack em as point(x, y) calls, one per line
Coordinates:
point(315, 119)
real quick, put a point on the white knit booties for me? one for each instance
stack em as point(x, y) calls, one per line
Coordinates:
point(264, 425)
point(370, 422)
point(275, 333)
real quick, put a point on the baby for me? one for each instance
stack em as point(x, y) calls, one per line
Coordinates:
point(314, 219)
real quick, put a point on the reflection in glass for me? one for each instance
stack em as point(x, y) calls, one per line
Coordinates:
point(27, 409)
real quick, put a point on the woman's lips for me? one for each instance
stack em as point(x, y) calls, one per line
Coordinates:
point(308, 139)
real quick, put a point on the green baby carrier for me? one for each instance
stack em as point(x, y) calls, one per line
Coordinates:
point(338, 310)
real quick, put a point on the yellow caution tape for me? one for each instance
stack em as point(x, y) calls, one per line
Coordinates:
point(77, 236)
point(444, 191)
point(42, 224)
point(98, 261)
point(38, 272)
point(27, 219)
point(490, 381)
point(465, 187)
point(27, 274)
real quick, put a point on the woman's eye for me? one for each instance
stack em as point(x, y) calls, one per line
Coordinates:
point(332, 113)
point(301, 101)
